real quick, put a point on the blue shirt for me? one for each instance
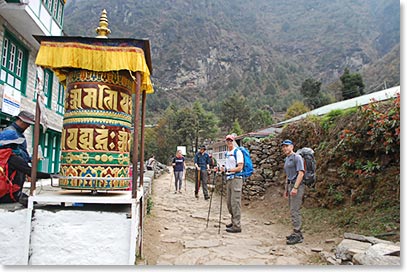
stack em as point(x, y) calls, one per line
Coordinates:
point(179, 164)
point(202, 160)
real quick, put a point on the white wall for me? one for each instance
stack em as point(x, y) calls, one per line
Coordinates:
point(71, 237)
point(12, 229)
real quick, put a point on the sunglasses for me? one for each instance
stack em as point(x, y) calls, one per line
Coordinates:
point(229, 140)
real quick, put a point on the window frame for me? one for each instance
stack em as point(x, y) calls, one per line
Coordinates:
point(14, 62)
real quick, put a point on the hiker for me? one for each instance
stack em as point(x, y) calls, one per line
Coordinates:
point(15, 168)
point(234, 183)
point(213, 166)
point(212, 162)
point(151, 163)
point(201, 161)
point(23, 120)
point(294, 189)
point(178, 163)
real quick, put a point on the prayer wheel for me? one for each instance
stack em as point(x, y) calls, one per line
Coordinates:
point(96, 134)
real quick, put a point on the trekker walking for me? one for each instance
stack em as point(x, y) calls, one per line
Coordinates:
point(294, 189)
point(178, 163)
point(151, 163)
point(201, 161)
point(234, 183)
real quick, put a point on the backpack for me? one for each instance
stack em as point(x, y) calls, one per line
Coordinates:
point(6, 184)
point(247, 170)
point(309, 166)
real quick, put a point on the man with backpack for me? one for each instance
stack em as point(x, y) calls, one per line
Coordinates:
point(294, 189)
point(23, 120)
point(234, 183)
point(13, 169)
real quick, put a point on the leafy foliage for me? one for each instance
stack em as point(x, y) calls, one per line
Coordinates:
point(311, 90)
point(297, 108)
point(352, 85)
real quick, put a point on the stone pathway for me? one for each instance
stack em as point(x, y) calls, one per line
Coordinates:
point(176, 233)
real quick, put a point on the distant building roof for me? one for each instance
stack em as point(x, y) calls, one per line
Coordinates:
point(349, 103)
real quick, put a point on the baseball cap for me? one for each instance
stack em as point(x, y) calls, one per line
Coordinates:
point(287, 142)
point(26, 117)
point(202, 147)
point(230, 137)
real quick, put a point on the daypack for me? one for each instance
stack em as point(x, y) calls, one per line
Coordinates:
point(309, 165)
point(6, 184)
point(247, 163)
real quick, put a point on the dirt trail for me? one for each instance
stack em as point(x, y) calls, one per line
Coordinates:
point(175, 232)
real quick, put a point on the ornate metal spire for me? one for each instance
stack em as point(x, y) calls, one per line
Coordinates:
point(103, 31)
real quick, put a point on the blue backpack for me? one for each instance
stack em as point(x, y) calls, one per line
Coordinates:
point(247, 164)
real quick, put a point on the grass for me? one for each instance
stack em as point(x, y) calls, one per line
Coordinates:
point(382, 222)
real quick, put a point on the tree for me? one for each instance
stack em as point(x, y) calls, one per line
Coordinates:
point(352, 85)
point(310, 89)
point(235, 108)
point(313, 98)
point(236, 128)
point(259, 119)
point(205, 124)
point(297, 108)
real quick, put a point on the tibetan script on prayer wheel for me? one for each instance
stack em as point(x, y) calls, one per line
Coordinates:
point(96, 133)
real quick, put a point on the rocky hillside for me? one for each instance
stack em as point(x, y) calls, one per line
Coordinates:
point(264, 49)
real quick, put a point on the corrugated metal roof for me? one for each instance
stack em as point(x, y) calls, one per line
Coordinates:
point(350, 103)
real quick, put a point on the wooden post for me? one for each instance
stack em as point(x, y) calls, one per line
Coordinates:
point(34, 165)
point(143, 119)
point(136, 123)
point(143, 123)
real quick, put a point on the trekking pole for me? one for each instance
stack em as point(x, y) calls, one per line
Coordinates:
point(185, 179)
point(221, 196)
point(212, 188)
point(172, 175)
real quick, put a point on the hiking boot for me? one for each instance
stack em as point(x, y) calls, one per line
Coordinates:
point(207, 197)
point(196, 195)
point(229, 225)
point(179, 192)
point(234, 230)
point(175, 192)
point(294, 234)
point(295, 240)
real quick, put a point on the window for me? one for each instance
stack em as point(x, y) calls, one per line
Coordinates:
point(14, 61)
point(61, 98)
point(48, 79)
point(50, 143)
point(55, 8)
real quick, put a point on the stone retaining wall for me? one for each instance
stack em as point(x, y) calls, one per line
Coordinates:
point(268, 164)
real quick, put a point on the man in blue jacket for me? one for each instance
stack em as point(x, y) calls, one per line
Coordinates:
point(201, 161)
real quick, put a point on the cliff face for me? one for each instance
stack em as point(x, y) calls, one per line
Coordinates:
point(207, 50)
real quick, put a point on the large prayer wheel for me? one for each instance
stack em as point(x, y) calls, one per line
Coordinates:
point(96, 132)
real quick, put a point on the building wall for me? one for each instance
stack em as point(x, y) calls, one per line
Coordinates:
point(55, 120)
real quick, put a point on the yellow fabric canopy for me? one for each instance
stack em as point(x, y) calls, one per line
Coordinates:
point(58, 56)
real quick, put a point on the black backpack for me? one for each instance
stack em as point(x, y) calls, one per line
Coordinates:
point(309, 166)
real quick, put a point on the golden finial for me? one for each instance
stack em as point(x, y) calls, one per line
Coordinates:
point(103, 31)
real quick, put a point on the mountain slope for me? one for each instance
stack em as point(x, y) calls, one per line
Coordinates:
point(263, 49)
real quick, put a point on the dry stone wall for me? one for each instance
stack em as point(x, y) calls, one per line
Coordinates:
point(268, 163)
